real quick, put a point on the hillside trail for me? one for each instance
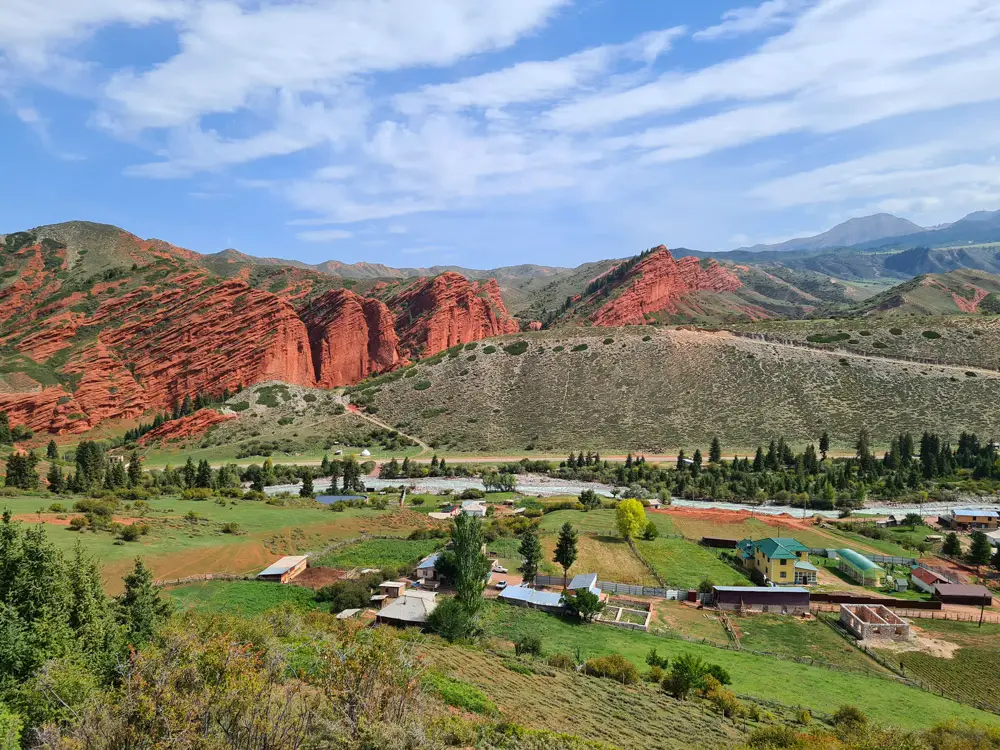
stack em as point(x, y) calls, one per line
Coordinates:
point(959, 369)
point(424, 448)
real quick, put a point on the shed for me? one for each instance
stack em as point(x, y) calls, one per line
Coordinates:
point(956, 593)
point(993, 537)
point(790, 600)
point(585, 581)
point(348, 614)
point(411, 609)
point(925, 579)
point(522, 596)
point(474, 508)
point(860, 568)
point(284, 569)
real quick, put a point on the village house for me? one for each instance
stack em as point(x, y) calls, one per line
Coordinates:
point(427, 568)
point(780, 560)
point(970, 518)
point(969, 595)
point(284, 569)
point(412, 609)
point(474, 508)
point(925, 579)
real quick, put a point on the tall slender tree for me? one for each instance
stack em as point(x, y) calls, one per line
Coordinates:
point(715, 451)
point(140, 608)
point(52, 451)
point(530, 550)
point(566, 550)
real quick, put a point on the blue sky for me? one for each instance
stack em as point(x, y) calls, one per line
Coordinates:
point(494, 132)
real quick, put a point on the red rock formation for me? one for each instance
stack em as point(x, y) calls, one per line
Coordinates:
point(535, 325)
point(106, 389)
point(435, 314)
point(51, 409)
point(186, 427)
point(658, 282)
point(207, 338)
point(351, 337)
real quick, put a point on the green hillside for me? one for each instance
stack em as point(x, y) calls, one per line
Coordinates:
point(651, 389)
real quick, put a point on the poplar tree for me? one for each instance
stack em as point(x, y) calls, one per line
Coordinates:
point(566, 552)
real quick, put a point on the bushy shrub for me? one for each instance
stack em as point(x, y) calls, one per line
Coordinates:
point(561, 661)
point(231, 527)
point(472, 494)
point(579, 348)
point(197, 493)
point(614, 667)
point(528, 644)
point(655, 675)
point(931, 335)
point(421, 385)
point(78, 523)
point(774, 737)
point(517, 348)
point(458, 694)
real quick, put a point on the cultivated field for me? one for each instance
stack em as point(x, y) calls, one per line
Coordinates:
point(378, 553)
point(653, 389)
point(684, 563)
point(238, 597)
point(609, 557)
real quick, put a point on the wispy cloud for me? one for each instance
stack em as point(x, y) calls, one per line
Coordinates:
point(751, 20)
point(325, 235)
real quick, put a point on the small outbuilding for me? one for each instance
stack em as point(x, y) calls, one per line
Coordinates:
point(957, 593)
point(427, 568)
point(474, 508)
point(522, 596)
point(874, 622)
point(586, 581)
point(786, 600)
point(284, 569)
point(925, 579)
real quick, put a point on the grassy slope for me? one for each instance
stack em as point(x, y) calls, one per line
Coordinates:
point(239, 597)
point(784, 681)
point(382, 553)
point(678, 389)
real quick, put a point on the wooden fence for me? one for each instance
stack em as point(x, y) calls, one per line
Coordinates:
point(885, 600)
point(203, 577)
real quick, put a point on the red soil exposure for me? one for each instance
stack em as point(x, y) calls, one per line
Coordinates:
point(970, 305)
point(438, 313)
point(658, 282)
point(186, 427)
point(351, 337)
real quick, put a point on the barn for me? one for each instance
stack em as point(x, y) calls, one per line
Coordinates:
point(956, 593)
point(284, 569)
point(779, 599)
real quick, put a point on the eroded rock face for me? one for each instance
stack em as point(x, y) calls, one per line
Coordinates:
point(658, 282)
point(48, 410)
point(350, 337)
point(207, 338)
point(190, 426)
point(435, 314)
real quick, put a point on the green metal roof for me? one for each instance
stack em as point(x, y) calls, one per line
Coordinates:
point(778, 548)
point(859, 561)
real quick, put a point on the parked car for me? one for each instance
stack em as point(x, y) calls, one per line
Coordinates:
point(499, 569)
point(501, 585)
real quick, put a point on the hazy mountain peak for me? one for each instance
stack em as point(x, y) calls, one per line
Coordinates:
point(851, 232)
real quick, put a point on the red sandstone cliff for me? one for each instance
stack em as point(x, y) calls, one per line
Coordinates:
point(351, 337)
point(192, 425)
point(438, 313)
point(658, 282)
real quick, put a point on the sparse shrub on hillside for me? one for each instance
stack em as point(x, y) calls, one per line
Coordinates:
point(240, 406)
point(970, 374)
point(286, 420)
point(880, 345)
point(489, 349)
point(579, 348)
point(410, 373)
point(309, 398)
point(528, 644)
point(471, 358)
point(517, 348)
point(558, 348)
point(561, 661)
point(827, 338)
point(473, 345)
point(613, 667)
point(231, 527)
point(421, 385)
point(931, 335)
point(896, 331)
point(609, 341)
point(647, 337)
point(865, 333)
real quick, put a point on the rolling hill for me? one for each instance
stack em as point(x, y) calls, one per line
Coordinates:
point(652, 389)
point(849, 233)
point(953, 293)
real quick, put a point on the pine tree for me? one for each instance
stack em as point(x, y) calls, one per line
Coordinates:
point(55, 479)
point(758, 460)
point(204, 476)
point(186, 406)
point(5, 436)
point(134, 470)
point(979, 551)
point(952, 546)
point(307, 485)
point(824, 444)
point(324, 466)
point(140, 608)
point(52, 451)
point(566, 552)
point(530, 550)
point(715, 451)
point(190, 473)
point(21, 471)
point(117, 478)
point(681, 464)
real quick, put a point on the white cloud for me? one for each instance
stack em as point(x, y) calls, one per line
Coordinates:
point(537, 80)
point(325, 235)
point(230, 54)
point(750, 20)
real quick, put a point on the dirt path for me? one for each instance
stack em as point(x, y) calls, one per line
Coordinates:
point(424, 448)
point(957, 369)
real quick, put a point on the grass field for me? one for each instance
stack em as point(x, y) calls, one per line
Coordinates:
point(684, 563)
point(784, 681)
point(179, 546)
point(689, 621)
point(609, 557)
point(238, 597)
point(380, 553)
point(632, 718)
point(677, 389)
point(810, 639)
point(971, 673)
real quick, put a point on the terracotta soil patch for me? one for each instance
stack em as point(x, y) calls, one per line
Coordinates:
point(318, 577)
point(54, 520)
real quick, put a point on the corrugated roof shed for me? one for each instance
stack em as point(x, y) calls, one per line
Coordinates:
point(532, 596)
point(409, 609)
point(429, 561)
point(758, 589)
point(959, 589)
point(976, 512)
point(583, 581)
point(282, 566)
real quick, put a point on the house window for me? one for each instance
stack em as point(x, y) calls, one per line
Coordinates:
point(784, 561)
point(783, 574)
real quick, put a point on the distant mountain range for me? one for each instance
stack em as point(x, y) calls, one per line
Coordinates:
point(851, 232)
